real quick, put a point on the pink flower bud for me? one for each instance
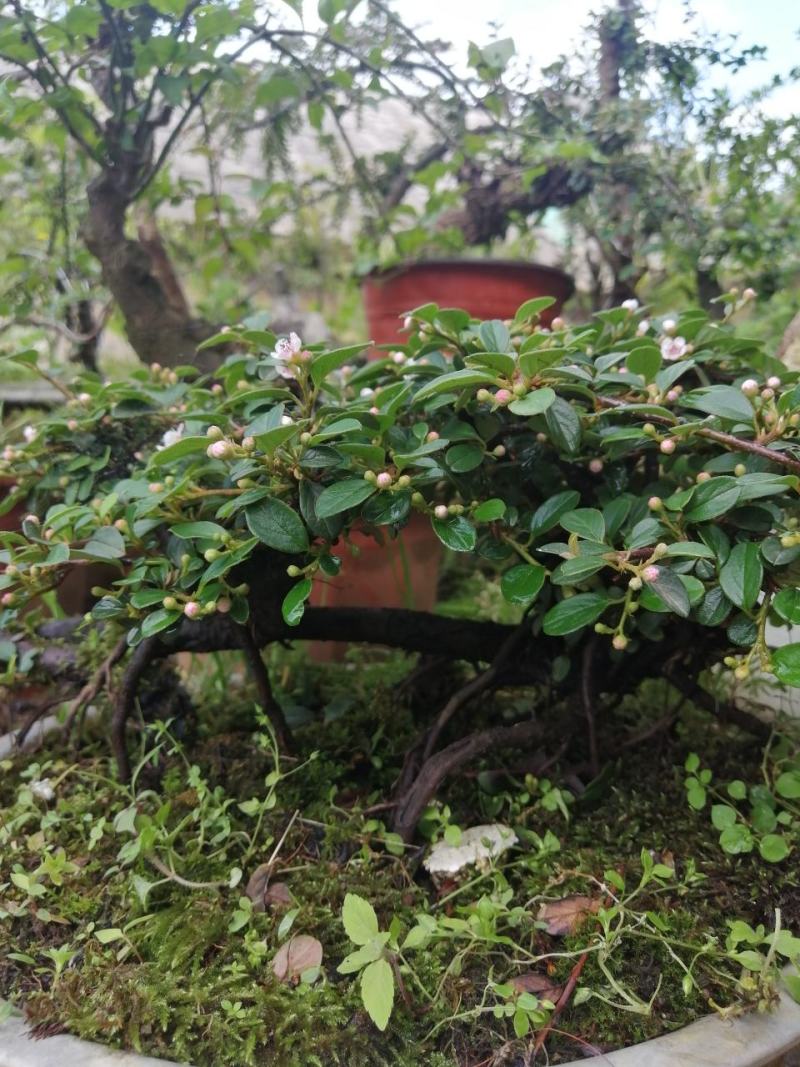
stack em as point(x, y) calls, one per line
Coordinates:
point(33, 518)
point(774, 382)
point(655, 503)
point(408, 323)
point(557, 323)
point(703, 476)
point(191, 609)
point(620, 642)
point(84, 398)
point(398, 358)
point(767, 394)
point(219, 450)
point(156, 487)
point(596, 466)
point(374, 411)
point(669, 326)
point(367, 392)
point(643, 327)
point(749, 387)
point(503, 396)
point(432, 436)
point(7, 600)
point(384, 480)
point(673, 395)
point(630, 305)
point(440, 511)
point(224, 605)
point(499, 451)
point(668, 446)
point(749, 294)
point(72, 424)
point(651, 573)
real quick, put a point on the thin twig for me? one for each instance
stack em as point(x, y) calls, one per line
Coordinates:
point(561, 1003)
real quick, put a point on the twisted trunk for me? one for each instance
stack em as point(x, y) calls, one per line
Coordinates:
point(159, 327)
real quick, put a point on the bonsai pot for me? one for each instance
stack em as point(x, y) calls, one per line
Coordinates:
point(404, 571)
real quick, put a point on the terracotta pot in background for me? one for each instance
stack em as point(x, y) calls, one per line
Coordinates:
point(487, 290)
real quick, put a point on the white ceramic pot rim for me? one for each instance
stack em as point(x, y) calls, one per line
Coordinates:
point(751, 1041)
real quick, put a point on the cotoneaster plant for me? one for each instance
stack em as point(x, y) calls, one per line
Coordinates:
point(632, 482)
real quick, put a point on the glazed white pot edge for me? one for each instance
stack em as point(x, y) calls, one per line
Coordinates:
point(752, 1040)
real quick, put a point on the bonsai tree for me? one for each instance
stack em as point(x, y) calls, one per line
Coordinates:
point(632, 482)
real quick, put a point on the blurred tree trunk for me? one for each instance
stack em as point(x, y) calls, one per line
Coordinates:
point(158, 321)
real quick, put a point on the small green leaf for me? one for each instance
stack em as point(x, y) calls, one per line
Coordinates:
point(341, 496)
point(736, 839)
point(490, 510)
point(585, 522)
point(295, 601)
point(359, 918)
point(742, 575)
point(574, 613)
point(277, 525)
point(456, 532)
point(788, 784)
point(323, 364)
point(186, 446)
point(723, 816)
point(464, 457)
point(454, 381)
point(377, 992)
point(188, 530)
point(521, 584)
point(786, 664)
point(773, 848)
point(564, 425)
point(534, 403)
point(105, 937)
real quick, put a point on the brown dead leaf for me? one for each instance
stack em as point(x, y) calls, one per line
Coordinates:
point(539, 984)
point(257, 886)
point(278, 895)
point(299, 954)
point(566, 915)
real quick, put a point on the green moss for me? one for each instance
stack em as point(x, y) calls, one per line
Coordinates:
point(189, 987)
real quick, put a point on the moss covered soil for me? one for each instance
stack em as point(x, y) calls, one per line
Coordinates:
point(184, 971)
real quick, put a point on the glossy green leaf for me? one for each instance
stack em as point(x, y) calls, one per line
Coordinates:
point(742, 575)
point(521, 584)
point(574, 613)
point(341, 496)
point(277, 525)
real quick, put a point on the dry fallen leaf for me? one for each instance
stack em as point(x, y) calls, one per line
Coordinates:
point(278, 895)
point(299, 954)
point(566, 915)
point(257, 886)
point(539, 984)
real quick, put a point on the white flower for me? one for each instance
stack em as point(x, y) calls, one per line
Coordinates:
point(643, 327)
point(286, 351)
point(171, 437)
point(42, 789)
point(30, 433)
point(287, 420)
point(366, 392)
point(673, 348)
point(630, 305)
point(669, 325)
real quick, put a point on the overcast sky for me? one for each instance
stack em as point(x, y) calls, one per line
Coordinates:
point(543, 29)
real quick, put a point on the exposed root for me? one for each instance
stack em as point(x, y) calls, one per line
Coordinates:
point(269, 704)
point(143, 656)
point(413, 801)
